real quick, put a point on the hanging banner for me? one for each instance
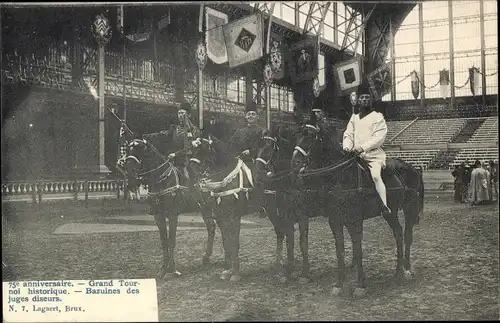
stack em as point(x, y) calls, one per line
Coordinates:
point(303, 60)
point(415, 84)
point(444, 82)
point(347, 75)
point(380, 81)
point(119, 18)
point(244, 40)
point(474, 80)
point(216, 46)
point(277, 56)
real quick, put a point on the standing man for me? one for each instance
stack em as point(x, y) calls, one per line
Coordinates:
point(365, 135)
point(456, 173)
point(466, 182)
point(479, 184)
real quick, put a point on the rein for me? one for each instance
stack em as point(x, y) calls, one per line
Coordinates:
point(327, 169)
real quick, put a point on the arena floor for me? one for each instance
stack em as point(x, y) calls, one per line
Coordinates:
point(455, 258)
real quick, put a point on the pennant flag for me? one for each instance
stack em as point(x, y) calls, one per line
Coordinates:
point(163, 22)
point(380, 81)
point(347, 75)
point(216, 46)
point(444, 82)
point(474, 80)
point(277, 56)
point(415, 84)
point(244, 40)
point(303, 60)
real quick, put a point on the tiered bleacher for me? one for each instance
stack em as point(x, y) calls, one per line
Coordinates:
point(488, 132)
point(417, 158)
point(472, 154)
point(394, 127)
point(430, 132)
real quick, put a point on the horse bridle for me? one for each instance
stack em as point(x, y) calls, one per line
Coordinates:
point(210, 149)
point(302, 151)
point(274, 152)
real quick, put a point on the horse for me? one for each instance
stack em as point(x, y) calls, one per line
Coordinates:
point(272, 169)
point(352, 201)
point(169, 188)
point(226, 192)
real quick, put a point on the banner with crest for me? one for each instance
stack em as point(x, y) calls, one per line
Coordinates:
point(277, 51)
point(380, 81)
point(303, 60)
point(244, 40)
point(216, 46)
point(444, 82)
point(348, 75)
point(474, 80)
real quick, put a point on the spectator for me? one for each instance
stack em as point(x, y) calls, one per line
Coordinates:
point(487, 168)
point(457, 174)
point(479, 184)
point(466, 182)
point(494, 180)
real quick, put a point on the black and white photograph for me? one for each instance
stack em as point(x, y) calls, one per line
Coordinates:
point(250, 161)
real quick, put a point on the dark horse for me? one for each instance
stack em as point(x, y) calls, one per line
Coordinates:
point(344, 182)
point(169, 189)
point(272, 169)
point(225, 191)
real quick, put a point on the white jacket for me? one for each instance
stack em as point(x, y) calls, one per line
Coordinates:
point(368, 133)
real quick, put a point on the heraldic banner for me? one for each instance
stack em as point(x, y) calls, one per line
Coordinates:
point(348, 75)
point(303, 60)
point(216, 47)
point(244, 40)
point(380, 81)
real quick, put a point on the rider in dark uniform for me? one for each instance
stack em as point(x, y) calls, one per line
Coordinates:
point(243, 142)
point(179, 137)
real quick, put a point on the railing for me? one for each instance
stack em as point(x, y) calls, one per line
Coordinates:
point(404, 128)
point(36, 191)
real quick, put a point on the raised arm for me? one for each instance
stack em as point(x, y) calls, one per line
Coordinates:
point(348, 141)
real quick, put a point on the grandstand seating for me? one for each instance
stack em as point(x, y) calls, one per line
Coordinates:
point(421, 158)
point(393, 127)
point(471, 154)
point(487, 132)
point(430, 131)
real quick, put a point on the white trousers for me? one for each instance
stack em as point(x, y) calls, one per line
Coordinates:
point(376, 172)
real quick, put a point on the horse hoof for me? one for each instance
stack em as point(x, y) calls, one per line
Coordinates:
point(205, 260)
point(226, 275)
point(359, 292)
point(235, 278)
point(336, 291)
point(161, 273)
point(408, 274)
point(303, 280)
point(283, 279)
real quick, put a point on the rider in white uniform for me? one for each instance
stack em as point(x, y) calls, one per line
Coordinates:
point(365, 134)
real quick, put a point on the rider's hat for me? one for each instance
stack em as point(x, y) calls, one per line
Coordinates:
point(364, 87)
point(251, 107)
point(185, 106)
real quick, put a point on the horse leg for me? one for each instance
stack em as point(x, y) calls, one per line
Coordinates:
point(235, 246)
point(272, 213)
point(304, 247)
point(206, 214)
point(173, 220)
point(161, 223)
point(356, 232)
point(397, 231)
point(338, 233)
point(410, 220)
point(222, 224)
point(290, 245)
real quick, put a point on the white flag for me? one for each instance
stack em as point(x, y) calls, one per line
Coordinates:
point(244, 40)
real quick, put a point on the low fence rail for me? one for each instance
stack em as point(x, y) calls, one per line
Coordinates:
point(37, 191)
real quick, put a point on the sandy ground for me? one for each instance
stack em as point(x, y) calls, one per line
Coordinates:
point(455, 258)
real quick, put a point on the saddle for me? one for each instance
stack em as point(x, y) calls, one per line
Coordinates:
point(393, 180)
